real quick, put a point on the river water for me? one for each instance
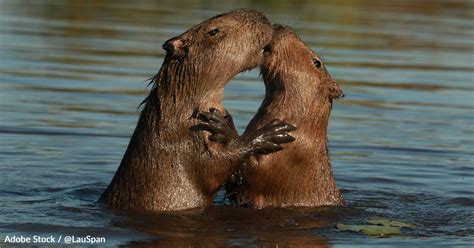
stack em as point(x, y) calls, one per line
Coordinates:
point(72, 74)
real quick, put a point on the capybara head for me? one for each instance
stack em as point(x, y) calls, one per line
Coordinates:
point(224, 45)
point(289, 62)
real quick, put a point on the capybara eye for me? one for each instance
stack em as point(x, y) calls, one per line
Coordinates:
point(317, 63)
point(267, 49)
point(213, 32)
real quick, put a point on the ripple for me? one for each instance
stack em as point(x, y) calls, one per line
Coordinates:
point(408, 86)
point(130, 92)
point(460, 201)
point(45, 132)
point(401, 141)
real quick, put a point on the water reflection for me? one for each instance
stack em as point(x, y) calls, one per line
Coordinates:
point(224, 226)
point(72, 74)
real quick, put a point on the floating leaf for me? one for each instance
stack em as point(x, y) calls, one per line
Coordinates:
point(353, 228)
point(372, 230)
point(389, 222)
point(375, 230)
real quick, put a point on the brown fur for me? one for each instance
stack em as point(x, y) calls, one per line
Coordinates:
point(299, 93)
point(167, 166)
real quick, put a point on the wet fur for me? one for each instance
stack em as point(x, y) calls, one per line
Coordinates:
point(298, 93)
point(167, 166)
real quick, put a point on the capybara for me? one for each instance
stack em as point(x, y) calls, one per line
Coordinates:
point(299, 90)
point(168, 166)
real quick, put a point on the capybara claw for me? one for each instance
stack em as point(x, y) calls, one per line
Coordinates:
point(213, 115)
point(270, 148)
point(282, 138)
point(280, 126)
point(267, 139)
point(218, 124)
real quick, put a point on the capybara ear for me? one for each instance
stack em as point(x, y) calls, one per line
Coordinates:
point(335, 90)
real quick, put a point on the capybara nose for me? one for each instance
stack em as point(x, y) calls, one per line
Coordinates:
point(335, 90)
point(173, 45)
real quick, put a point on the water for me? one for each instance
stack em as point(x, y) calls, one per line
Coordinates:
point(72, 74)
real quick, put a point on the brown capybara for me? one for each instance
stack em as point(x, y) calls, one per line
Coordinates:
point(169, 166)
point(299, 90)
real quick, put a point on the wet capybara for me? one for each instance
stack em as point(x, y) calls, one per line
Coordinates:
point(299, 90)
point(169, 166)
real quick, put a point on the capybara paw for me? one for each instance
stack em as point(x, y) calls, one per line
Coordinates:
point(216, 123)
point(267, 139)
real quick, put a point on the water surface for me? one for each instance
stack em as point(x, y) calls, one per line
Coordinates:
point(72, 74)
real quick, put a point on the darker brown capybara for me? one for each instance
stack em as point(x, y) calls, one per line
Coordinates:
point(299, 90)
point(169, 166)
